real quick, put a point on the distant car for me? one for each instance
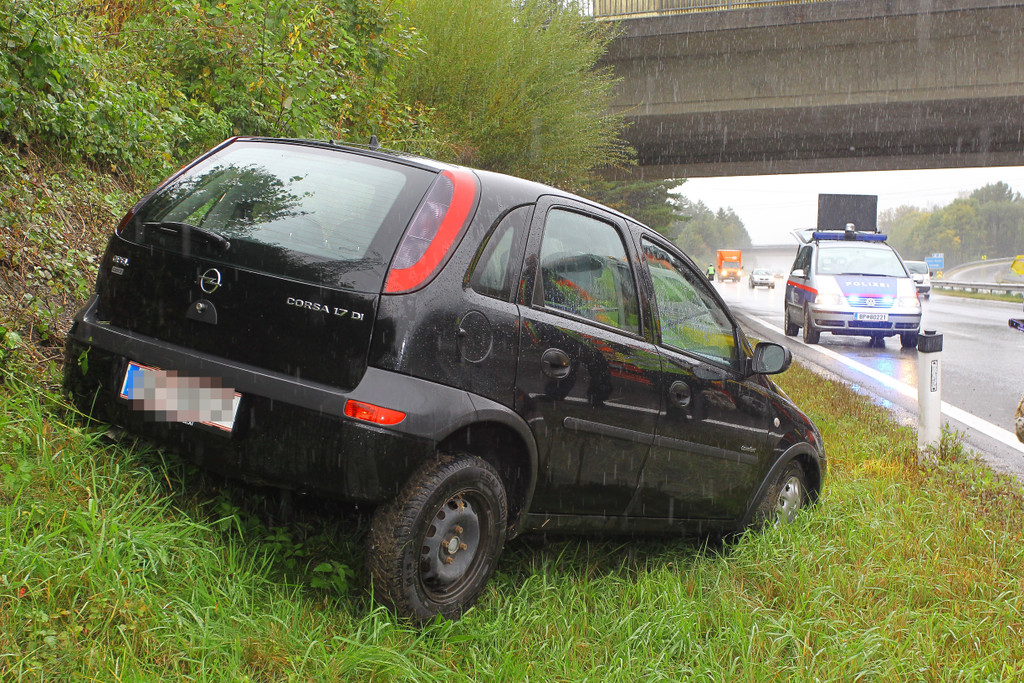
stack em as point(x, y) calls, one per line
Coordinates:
point(850, 283)
point(922, 279)
point(470, 354)
point(761, 277)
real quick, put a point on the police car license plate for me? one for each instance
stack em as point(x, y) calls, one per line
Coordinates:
point(875, 317)
point(167, 396)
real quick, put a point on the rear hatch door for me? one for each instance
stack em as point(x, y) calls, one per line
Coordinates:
point(268, 253)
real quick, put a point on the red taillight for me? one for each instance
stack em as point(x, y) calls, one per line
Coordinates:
point(124, 221)
point(371, 413)
point(433, 230)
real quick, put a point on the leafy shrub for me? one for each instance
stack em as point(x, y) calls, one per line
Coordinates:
point(61, 87)
point(515, 86)
point(295, 68)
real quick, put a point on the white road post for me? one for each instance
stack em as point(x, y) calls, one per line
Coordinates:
point(929, 391)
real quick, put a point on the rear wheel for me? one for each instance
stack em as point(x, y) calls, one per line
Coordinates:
point(908, 340)
point(787, 495)
point(788, 326)
point(434, 547)
point(811, 334)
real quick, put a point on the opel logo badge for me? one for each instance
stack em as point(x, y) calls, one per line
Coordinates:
point(210, 281)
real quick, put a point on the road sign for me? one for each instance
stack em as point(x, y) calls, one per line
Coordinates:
point(1018, 265)
point(935, 262)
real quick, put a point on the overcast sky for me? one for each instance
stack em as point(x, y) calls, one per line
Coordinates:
point(772, 206)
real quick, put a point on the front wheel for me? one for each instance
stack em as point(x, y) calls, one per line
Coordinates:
point(908, 340)
point(786, 496)
point(434, 547)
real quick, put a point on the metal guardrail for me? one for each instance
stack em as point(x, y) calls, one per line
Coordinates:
point(632, 9)
point(987, 287)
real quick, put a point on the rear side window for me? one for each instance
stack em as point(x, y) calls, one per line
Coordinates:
point(326, 216)
point(585, 271)
point(496, 269)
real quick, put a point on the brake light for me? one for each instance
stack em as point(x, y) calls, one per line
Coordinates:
point(433, 230)
point(368, 412)
point(124, 221)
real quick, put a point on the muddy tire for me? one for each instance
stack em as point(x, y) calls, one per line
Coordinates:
point(434, 547)
point(787, 495)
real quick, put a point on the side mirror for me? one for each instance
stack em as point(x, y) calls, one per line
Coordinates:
point(799, 272)
point(770, 359)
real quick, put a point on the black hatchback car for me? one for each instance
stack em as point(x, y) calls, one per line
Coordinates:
point(475, 355)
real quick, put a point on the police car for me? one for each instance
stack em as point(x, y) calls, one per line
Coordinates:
point(850, 283)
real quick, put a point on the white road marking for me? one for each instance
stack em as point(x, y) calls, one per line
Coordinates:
point(987, 428)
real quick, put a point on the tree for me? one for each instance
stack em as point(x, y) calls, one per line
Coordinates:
point(649, 201)
point(700, 232)
point(513, 87)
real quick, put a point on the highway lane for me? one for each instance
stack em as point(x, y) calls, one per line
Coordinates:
point(982, 365)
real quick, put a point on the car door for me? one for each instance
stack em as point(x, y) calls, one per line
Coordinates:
point(712, 437)
point(587, 377)
point(798, 284)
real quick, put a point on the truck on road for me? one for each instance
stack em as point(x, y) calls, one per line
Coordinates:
point(730, 264)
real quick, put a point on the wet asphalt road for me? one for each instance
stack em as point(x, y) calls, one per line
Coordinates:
point(982, 365)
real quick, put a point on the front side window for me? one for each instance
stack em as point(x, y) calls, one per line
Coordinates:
point(803, 260)
point(585, 271)
point(690, 318)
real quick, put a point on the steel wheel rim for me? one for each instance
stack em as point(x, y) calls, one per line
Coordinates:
point(791, 498)
point(451, 546)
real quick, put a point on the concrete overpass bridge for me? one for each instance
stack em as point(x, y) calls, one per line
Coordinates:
point(838, 85)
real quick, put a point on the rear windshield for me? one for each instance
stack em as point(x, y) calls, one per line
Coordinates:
point(859, 260)
point(326, 216)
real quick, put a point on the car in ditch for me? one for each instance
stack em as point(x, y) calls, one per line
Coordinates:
point(472, 355)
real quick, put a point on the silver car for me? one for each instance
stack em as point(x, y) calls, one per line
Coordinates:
point(851, 284)
point(761, 277)
point(922, 278)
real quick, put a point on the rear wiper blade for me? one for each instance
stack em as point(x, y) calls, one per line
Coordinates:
point(190, 231)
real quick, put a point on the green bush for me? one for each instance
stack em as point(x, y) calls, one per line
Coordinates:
point(61, 87)
point(293, 68)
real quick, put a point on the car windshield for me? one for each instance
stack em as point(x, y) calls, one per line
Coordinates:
point(860, 260)
point(917, 267)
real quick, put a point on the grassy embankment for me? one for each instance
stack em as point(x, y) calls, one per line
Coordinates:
point(119, 562)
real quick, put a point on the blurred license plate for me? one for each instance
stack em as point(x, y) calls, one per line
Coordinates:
point(878, 317)
point(166, 396)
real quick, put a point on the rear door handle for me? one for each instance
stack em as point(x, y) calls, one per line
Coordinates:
point(555, 363)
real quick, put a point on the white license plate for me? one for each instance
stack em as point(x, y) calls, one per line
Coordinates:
point(169, 397)
point(876, 317)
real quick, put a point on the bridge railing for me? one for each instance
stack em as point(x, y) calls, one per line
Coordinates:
point(621, 9)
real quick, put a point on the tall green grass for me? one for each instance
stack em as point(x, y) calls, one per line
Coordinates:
point(122, 563)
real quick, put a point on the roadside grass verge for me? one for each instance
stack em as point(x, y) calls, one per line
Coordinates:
point(121, 562)
point(987, 296)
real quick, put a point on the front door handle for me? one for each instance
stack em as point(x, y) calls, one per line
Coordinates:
point(555, 363)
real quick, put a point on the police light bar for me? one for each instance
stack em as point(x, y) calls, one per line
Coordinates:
point(858, 236)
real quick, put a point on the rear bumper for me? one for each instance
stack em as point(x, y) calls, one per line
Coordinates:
point(288, 432)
